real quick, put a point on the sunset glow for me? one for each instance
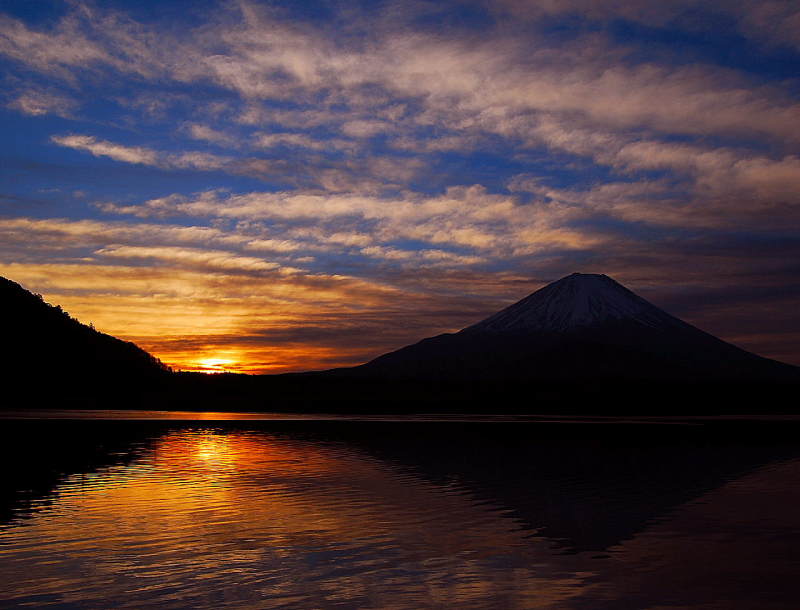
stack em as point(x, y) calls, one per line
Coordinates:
point(310, 188)
point(194, 489)
point(214, 365)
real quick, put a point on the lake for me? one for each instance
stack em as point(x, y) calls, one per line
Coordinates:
point(152, 509)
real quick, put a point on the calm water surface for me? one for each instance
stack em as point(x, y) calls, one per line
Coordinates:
point(392, 514)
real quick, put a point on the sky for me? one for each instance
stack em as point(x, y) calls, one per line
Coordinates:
point(279, 186)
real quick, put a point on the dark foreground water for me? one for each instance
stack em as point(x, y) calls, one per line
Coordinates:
point(392, 514)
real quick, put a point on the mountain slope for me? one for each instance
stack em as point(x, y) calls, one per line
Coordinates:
point(48, 352)
point(582, 328)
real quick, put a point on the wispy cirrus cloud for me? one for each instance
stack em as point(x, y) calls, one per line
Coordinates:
point(198, 131)
point(100, 148)
point(300, 140)
point(368, 174)
point(489, 81)
point(191, 257)
point(770, 22)
point(142, 155)
point(38, 102)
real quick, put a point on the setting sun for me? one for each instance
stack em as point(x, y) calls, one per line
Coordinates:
point(214, 365)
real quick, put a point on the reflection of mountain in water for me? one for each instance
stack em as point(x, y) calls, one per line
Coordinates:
point(585, 487)
point(734, 547)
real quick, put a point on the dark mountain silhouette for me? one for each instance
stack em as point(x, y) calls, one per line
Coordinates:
point(582, 328)
point(47, 353)
point(570, 347)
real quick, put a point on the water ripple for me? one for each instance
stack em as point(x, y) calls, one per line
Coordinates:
point(213, 517)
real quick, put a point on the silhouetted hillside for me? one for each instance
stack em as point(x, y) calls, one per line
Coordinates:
point(48, 354)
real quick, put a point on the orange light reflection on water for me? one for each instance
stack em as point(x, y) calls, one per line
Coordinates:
point(263, 520)
point(244, 511)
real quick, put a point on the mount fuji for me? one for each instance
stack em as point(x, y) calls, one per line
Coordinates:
point(581, 328)
point(579, 300)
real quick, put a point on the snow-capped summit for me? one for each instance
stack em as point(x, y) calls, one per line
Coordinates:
point(575, 301)
point(583, 328)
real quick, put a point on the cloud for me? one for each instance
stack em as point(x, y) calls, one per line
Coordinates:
point(83, 236)
point(35, 102)
point(468, 217)
point(143, 156)
point(64, 46)
point(208, 134)
point(722, 172)
point(299, 140)
point(707, 187)
point(191, 257)
point(100, 148)
point(429, 94)
point(445, 143)
point(435, 257)
point(196, 160)
point(365, 129)
point(771, 22)
point(457, 81)
point(369, 175)
point(488, 83)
